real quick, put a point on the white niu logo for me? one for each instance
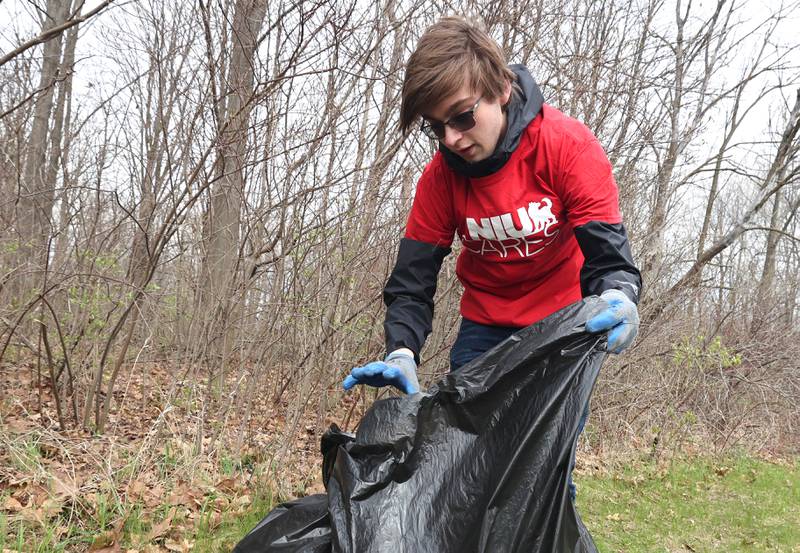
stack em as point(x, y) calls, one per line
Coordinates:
point(536, 218)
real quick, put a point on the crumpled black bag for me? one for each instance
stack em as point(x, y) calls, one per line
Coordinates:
point(479, 463)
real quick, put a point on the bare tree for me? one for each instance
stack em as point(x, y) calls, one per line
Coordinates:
point(223, 220)
point(224, 188)
point(36, 195)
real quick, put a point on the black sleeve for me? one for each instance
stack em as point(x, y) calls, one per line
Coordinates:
point(408, 295)
point(608, 260)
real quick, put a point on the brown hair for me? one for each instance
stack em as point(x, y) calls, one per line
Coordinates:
point(452, 52)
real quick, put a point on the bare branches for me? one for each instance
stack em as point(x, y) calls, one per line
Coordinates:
point(773, 182)
point(52, 32)
point(225, 186)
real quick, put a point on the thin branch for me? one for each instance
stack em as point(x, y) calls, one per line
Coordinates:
point(52, 33)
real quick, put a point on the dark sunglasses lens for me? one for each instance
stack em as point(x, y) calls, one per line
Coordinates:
point(463, 121)
point(436, 130)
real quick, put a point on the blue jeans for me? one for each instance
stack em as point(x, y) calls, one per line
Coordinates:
point(475, 339)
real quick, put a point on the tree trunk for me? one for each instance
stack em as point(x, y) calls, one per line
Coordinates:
point(223, 220)
point(768, 270)
point(34, 209)
point(60, 152)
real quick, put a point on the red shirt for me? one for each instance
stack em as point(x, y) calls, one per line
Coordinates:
point(520, 261)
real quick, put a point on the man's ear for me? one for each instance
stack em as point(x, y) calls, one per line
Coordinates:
point(506, 97)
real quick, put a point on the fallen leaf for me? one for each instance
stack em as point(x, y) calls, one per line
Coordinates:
point(227, 485)
point(110, 549)
point(154, 497)
point(182, 494)
point(616, 517)
point(316, 487)
point(160, 529)
point(182, 547)
point(242, 501)
point(104, 542)
point(35, 493)
point(17, 479)
point(50, 451)
point(12, 505)
point(18, 426)
point(214, 520)
point(50, 508)
point(63, 485)
point(90, 498)
point(136, 490)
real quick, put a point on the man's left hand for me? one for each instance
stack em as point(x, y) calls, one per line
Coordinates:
point(621, 317)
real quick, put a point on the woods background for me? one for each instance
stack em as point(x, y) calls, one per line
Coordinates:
point(200, 203)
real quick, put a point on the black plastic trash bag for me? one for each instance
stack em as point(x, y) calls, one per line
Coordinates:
point(301, 525)
point(478, 463)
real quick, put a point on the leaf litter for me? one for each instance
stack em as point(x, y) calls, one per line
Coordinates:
point(148, 482)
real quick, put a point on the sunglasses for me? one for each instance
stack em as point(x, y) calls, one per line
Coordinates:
point(461, 123)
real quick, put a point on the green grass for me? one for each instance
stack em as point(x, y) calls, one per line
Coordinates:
point(232, 529)
point(736, 504)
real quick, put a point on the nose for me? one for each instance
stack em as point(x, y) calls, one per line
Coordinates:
point(451, 136)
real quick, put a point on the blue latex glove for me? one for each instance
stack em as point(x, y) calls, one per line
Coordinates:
point(621, 317)
point(398, 370)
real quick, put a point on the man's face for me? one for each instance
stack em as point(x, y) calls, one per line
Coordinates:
point(477, 143)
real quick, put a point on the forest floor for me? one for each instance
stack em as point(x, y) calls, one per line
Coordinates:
point(154, 482)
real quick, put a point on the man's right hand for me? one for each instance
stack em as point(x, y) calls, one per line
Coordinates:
point(398, 370)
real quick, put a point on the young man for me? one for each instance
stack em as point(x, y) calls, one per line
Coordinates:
point(530, 194)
